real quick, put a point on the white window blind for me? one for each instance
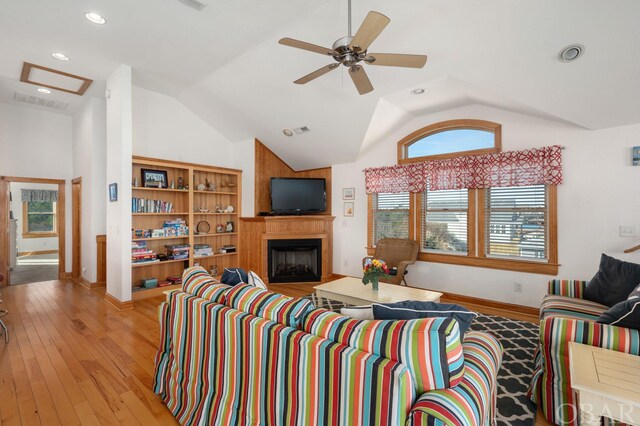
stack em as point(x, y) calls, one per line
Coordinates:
point(444, 221)
point(516, 225)
point(390, 216)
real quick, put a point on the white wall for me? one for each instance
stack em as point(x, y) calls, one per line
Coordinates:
point(38, 144)
point(89, 163)
point(29, 244)
point(164, 128)
point(244, 155)
point(600, 193)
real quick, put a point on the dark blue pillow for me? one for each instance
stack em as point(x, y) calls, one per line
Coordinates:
point(233, 276)
point(613, 282)
point(624, 314)
point(413, 309)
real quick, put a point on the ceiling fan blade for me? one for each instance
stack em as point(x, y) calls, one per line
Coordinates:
point(370, 29)
point(396, 60)
point(307, 46)
point(360, 79)
point(317, 73)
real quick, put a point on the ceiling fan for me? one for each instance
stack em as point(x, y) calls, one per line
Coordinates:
point(351, 50)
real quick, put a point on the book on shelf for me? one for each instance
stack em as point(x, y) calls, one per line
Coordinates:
point(177, 228)
point(143, 205)
point(177, 251)
point(175, 280)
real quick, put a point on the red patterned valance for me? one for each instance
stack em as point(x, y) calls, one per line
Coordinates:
point(538, 166)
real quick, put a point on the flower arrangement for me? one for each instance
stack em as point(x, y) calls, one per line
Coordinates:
point(373, 270)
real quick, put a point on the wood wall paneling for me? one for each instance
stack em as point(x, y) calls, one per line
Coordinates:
point(268, 165)
point(101, 260)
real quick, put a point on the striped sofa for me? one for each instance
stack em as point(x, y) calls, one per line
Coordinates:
point(246, 356)
point(566, 317)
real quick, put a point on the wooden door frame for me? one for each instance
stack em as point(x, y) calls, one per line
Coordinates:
point(4, 222)
point(76, 229)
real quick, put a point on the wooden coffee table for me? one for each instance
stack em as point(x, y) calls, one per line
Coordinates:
point(352, 292)
point(607, 383)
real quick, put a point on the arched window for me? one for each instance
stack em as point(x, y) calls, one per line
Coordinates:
point(512, 228)
point(450, 139)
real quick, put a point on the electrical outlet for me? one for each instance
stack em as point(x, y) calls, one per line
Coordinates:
point(345, 263)
point(628, 231)
point(517, 287)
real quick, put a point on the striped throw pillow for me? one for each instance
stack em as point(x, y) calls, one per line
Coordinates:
point(197, 281)
point(266, 304)
point(430, 348)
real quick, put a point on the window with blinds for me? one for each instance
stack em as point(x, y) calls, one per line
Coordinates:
point(40, 217)
point(517, 223)
point(444, 221)
point(390, 216)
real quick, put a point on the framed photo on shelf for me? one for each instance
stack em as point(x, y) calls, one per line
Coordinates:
point(154, 178)
point(348, 209)
point(348, 193)
point(113, 192)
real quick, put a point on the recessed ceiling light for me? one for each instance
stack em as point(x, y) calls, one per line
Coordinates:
point(419, 91)
point(571, 53)
point(43, 90)
point(287, 132)
point(60, 56)
point(95, 18)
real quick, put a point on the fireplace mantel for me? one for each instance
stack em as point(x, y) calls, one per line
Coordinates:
point(255, 233)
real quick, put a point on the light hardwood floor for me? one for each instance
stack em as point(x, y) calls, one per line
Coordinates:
point(72, 358)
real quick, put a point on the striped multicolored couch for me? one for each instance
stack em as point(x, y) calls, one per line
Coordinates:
point(246, 356)
point(566, 317)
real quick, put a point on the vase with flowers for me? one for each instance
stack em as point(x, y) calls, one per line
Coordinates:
point(373, 270)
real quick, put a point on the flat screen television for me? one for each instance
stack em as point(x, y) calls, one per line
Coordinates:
point(298, 195)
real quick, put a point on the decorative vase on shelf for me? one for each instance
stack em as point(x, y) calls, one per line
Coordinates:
point(373, 270)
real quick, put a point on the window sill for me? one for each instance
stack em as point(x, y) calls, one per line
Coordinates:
point(41, 235)
point(492, 263)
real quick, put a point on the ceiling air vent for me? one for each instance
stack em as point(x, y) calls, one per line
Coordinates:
point(300, 130)
point(194, 4)
point(37, 100)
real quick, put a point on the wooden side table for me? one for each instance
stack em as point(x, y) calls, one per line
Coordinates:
point(607, 383)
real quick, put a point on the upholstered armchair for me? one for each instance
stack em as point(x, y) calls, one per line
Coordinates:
point(565, 316)
point(398, 253)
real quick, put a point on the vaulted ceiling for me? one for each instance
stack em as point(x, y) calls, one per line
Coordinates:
point(225, 65)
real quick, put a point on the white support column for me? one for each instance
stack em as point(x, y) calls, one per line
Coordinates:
point(119, 150)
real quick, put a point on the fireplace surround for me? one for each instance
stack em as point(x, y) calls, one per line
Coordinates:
point(256, 234)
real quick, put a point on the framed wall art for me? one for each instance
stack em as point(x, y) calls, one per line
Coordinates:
point(348, 209)
point(113, 192)
point(348, 193)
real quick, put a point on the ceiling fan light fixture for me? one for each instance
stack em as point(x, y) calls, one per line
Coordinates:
point(60, 56)
point(571, 53)
point(418, 91)
point(96, 18)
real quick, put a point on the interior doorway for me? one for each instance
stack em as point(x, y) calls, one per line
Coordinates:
point(32, 235)
point(76, 226)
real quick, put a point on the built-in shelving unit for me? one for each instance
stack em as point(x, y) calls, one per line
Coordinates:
point(187, 203)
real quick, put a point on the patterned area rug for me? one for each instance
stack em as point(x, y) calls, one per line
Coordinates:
point(518, 338)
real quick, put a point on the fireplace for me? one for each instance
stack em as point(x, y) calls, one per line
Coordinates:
point(295, 260)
